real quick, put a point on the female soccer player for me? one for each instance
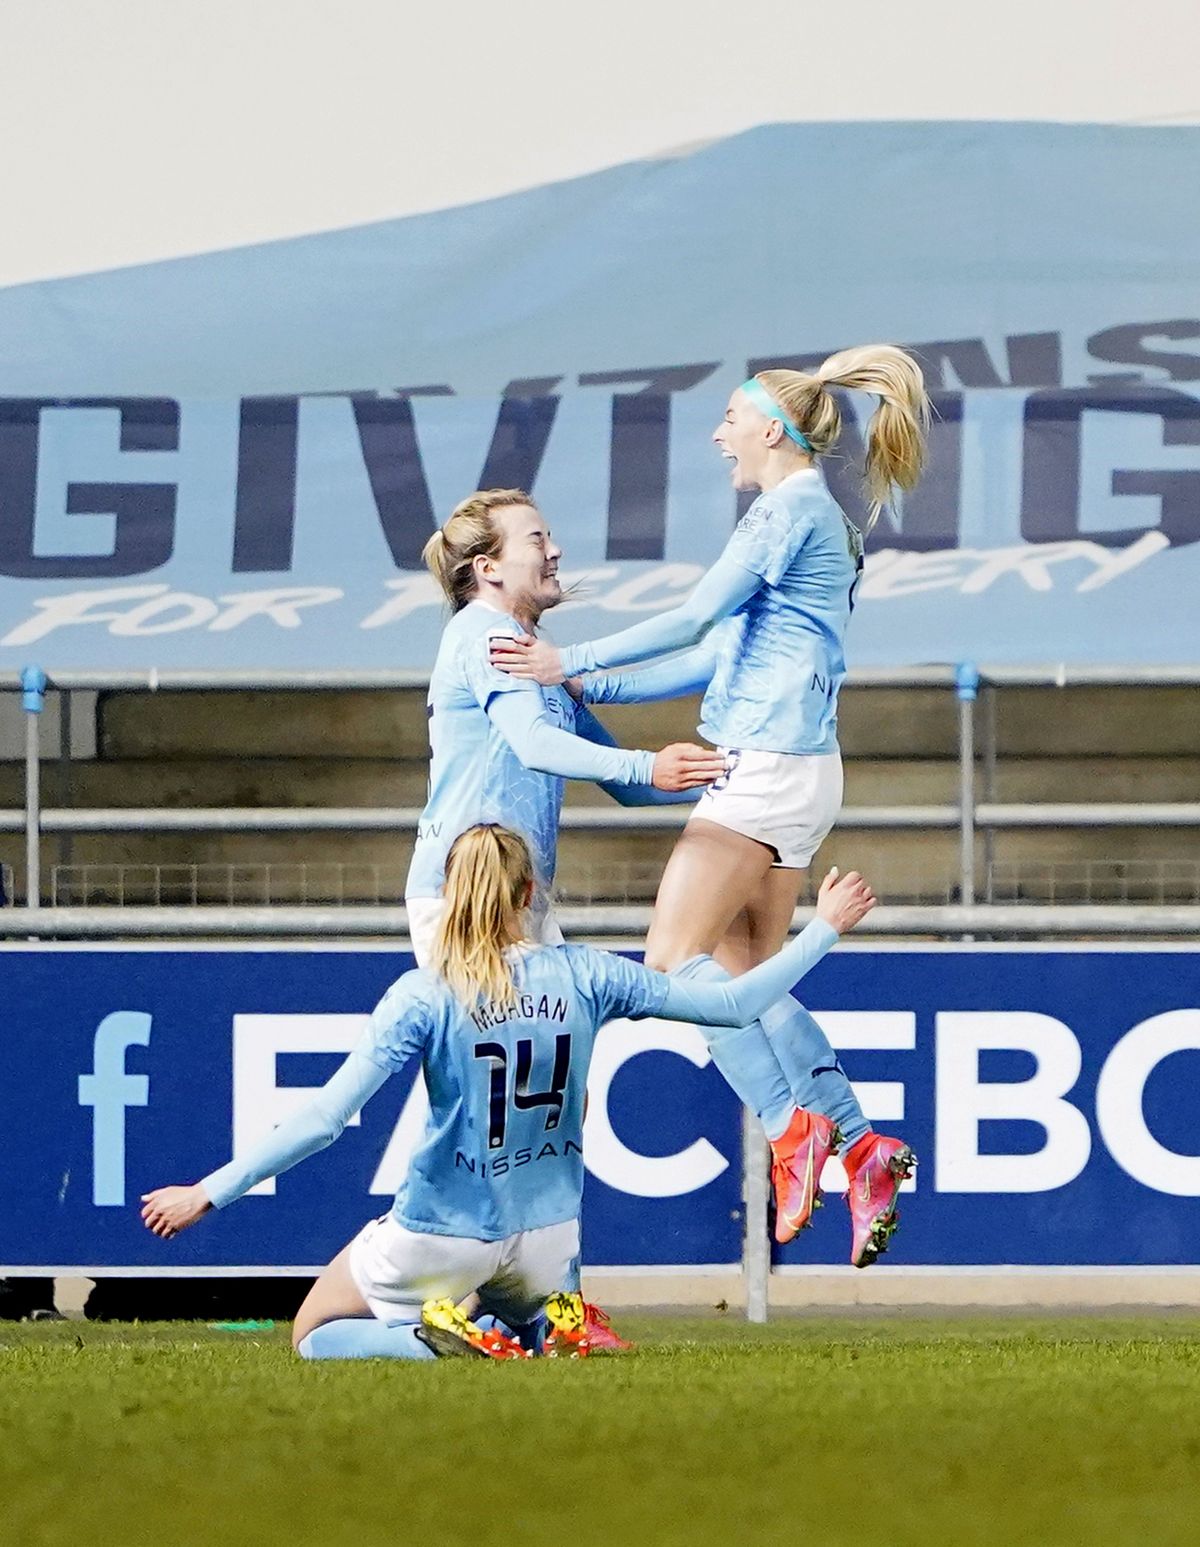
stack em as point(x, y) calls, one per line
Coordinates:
point(504, 1029)
point(782, 593)
point(501, 748)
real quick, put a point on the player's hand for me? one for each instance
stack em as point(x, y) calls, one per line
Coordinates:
point(844, 900)
point(168, 1210)
point(684, 766)
point(536, 660)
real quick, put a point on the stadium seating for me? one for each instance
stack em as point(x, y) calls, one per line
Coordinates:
point(370, 749)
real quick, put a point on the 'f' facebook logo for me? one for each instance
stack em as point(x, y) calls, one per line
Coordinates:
point(108, 1090)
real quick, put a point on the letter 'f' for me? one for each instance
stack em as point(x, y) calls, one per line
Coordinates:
point(108, 1090)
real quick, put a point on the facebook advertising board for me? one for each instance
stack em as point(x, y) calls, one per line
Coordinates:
point(1050, 1093)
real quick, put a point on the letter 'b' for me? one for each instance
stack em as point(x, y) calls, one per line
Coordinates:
point(964, 1102)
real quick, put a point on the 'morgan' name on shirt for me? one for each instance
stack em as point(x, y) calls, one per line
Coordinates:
point(525, 1007)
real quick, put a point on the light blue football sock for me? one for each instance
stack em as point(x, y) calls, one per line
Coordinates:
point(362, 1337)
point(745, 1057)
point(815, 1077)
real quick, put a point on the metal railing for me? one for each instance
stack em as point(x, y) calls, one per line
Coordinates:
point(624, 882)
point(625, 925)
point(969, 816)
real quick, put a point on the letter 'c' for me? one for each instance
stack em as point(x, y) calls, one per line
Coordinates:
point(1119, 1103)
point(614, 1163)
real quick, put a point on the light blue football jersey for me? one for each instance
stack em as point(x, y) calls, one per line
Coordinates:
point(474, 775)
point(780, 658)
point(503, 1144)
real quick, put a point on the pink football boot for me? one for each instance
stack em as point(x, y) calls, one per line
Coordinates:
point(875, 1175)
point(600, 1335)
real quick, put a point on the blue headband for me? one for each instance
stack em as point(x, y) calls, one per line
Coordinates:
point(767, 405)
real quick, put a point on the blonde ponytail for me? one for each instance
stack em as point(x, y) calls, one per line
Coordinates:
point(471, 531)
point(897, 432)
point(488, 878)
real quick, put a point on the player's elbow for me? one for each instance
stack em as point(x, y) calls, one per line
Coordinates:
point(537, 753)
point(693, 623)
point(532, 763)
point(328, 1127)
point(624, 794)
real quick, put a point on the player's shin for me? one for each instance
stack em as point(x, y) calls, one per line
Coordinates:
point(816, 1079)
point(745, 1057)
point(362, 1337)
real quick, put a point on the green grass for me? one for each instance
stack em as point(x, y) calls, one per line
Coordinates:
point(829, 1431)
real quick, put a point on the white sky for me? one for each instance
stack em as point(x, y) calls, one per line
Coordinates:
point(141, 129)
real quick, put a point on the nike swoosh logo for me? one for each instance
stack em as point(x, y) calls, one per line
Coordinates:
point(808, 1188)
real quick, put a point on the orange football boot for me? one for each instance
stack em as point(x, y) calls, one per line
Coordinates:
point(566, 1319)
point(452, 1334)
point(798, 1157)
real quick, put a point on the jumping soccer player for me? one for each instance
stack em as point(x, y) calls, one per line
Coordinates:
point(782, 593)
point(504, 1029)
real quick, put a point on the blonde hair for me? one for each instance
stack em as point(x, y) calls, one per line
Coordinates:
point(898, 427)
point(472, 530)
point(488, 878)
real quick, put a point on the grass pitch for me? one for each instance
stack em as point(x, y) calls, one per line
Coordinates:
point(830, 1431)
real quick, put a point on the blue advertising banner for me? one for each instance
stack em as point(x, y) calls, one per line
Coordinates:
point(234, 460)
point(1053, 525)
point(1049, 1093)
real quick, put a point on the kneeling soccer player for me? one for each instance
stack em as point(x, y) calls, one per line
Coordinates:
point(504, 1029)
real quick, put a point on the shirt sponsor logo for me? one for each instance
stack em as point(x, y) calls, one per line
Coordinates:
point(500, 1165)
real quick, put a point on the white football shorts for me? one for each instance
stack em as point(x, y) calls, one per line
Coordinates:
point(425, 914)
point(396, 1270)
point(786, 800)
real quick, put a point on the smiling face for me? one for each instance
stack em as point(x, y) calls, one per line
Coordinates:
point(523, 577)
point(746, 437)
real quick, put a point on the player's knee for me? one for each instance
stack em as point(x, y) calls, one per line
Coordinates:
point(665, 951)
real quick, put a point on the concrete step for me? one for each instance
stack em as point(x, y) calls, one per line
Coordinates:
point(875, 722)
point(597, 865)
point(179, 782)
point(162, 725)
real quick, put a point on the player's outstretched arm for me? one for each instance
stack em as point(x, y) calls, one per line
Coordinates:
point(590, 728)
point(168, 1210)
point(726, 587)
point(521, 719)
point(843, 901)
point(676, 677)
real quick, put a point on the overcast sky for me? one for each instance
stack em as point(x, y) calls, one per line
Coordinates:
point(141, 129)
